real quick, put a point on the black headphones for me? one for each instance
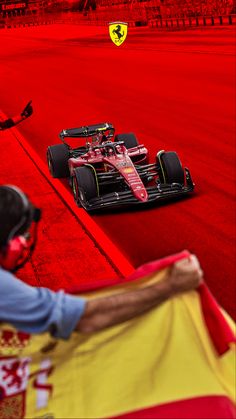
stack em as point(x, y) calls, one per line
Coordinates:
point(18, 247)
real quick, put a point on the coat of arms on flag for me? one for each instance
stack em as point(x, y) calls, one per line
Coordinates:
point(118, 32)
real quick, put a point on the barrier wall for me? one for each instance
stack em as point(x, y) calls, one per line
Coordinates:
point(181, 23)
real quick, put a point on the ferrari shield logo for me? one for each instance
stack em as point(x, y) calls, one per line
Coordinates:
point(118, 32)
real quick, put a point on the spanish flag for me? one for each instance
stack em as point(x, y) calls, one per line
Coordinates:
point(175, 361)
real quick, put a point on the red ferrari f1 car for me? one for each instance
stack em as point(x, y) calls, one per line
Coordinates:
point(110, 171)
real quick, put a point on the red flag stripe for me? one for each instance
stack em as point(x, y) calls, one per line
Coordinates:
point(210, 407)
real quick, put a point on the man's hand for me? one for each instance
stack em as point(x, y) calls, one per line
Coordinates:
point(28, 110)
point(185, 275)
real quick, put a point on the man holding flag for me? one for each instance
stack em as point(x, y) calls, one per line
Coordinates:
point(39, 310)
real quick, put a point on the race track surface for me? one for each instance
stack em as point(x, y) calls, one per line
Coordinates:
point(175, 90)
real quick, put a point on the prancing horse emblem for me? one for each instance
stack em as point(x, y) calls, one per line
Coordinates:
point(118, 32)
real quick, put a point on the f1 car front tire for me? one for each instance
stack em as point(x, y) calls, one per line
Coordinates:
point(170, 168)
point(84, 185)
point(57, 158)
point(129, 139)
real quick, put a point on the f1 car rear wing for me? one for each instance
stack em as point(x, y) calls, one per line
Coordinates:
point(88, 131)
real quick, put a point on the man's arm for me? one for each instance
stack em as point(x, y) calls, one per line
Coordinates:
point(38, 310)
point(108, 311)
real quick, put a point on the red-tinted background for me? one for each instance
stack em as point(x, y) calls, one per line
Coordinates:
point(175, 90)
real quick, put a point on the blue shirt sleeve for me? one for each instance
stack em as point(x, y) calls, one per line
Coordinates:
point(38, 310)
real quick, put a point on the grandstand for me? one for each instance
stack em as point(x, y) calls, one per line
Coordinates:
point(11, 8)
point(138, 11)
point(193, 8)
point(171, 8)
point(144, 10)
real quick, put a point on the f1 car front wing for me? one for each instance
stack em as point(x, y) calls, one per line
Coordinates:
point(159, 192)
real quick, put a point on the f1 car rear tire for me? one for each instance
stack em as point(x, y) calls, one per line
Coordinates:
point(84, 185)
point(129, 139)
point(57, 158)
point(171, 170)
